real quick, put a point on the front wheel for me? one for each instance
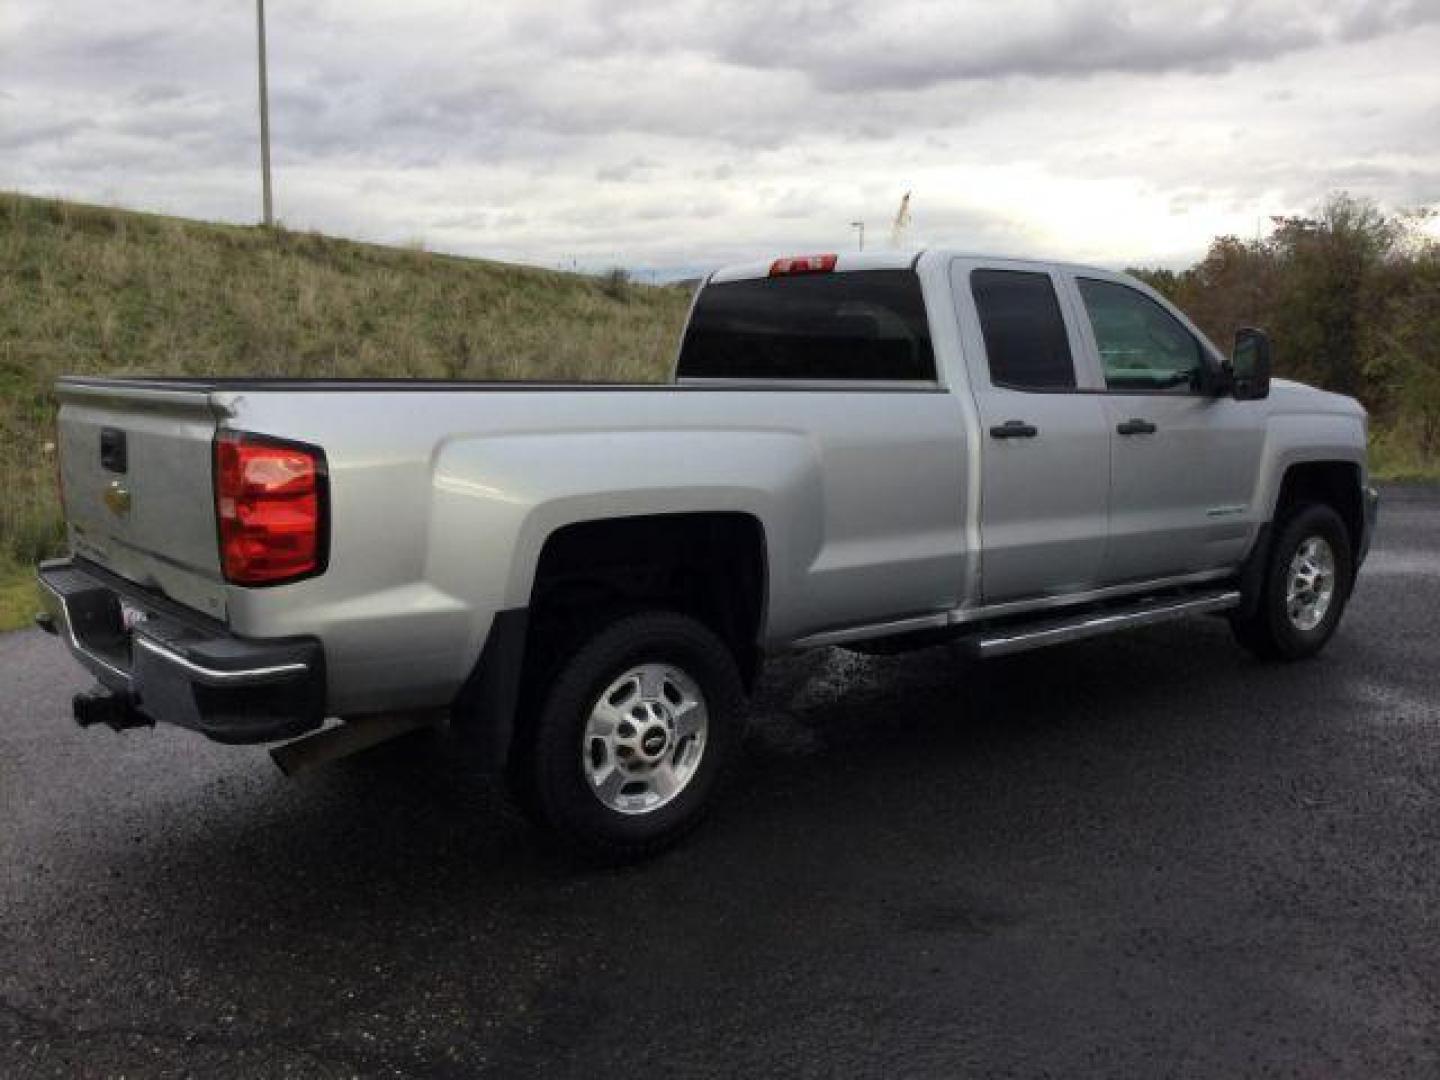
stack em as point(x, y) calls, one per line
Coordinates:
point(1308, 577)
point(635, 734)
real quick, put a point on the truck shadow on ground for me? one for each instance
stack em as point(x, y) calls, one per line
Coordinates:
point(838, 744)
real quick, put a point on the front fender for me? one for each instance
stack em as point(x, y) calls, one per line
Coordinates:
point(1302, 439)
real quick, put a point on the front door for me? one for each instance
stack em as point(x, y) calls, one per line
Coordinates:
point(1045, 446)
point(1183, 462)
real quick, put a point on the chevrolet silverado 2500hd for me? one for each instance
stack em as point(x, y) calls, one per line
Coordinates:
point(874, 451)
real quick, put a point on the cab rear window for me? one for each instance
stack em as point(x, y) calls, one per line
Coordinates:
point(864, 325)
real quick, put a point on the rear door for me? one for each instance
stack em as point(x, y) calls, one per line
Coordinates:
point(1183, 462)
point(1045, 458)
point(135, 463)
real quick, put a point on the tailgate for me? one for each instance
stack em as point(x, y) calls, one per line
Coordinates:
point(135, 464)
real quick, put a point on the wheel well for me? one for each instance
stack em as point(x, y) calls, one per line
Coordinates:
point(1334, 483)
point(710, 566)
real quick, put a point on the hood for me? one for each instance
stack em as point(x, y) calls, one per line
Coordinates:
point(1286, 395)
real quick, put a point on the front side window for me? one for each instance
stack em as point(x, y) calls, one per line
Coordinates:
point(1025, 339)
point(1142, 345)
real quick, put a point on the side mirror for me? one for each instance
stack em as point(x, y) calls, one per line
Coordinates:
point(1250, 365)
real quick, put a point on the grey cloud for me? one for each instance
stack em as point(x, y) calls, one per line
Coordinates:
point(625, 170)
point(18, 134)
point(1402, 186)
point(128, 46)
point(157, 93)
point(922, 44)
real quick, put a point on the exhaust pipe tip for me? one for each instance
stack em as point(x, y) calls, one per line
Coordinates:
point(350, 737)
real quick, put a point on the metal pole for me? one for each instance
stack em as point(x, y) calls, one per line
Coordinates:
point(264, 119)
point(860, 226)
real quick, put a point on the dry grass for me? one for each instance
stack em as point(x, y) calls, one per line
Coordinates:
point(87, 289)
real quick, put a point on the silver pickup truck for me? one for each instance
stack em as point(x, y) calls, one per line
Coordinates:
point(872, 451)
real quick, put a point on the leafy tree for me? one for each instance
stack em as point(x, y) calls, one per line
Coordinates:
point(1327, 296)
point(1402, 343)
point(1351, 298)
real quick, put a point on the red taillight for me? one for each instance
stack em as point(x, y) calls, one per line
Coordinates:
point(803, 264)
point(270, 507)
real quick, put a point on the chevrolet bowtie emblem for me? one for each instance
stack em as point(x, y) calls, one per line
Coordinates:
point(117, 498)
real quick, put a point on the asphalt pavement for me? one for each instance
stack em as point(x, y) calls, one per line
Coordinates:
point(1141, 856)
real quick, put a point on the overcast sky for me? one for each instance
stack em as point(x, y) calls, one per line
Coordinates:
point(682, 134)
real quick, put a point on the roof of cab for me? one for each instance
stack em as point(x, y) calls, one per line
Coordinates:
point(889, 260)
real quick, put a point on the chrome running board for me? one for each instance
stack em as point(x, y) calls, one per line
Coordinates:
point(1002, 642)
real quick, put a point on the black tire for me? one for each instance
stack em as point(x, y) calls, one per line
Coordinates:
point(552, 780)
point(1269, 632)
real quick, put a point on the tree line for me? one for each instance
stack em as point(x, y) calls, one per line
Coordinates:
point(1350, 296)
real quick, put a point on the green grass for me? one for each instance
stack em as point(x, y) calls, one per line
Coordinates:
point(18, 599)
point(87, 289)
point(1396, 455)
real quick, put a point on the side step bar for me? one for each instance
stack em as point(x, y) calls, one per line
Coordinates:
point(1094, 623)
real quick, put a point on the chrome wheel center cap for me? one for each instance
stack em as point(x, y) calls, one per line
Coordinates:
point(644, 735)
point(654, 741)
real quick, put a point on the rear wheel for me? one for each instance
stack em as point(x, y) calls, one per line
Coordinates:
point(634, 735)
point(1306, 585)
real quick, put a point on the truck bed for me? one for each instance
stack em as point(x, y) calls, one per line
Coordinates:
point(442, 494)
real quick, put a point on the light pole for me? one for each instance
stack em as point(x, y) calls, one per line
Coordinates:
point(264, 119)
point(860, 227)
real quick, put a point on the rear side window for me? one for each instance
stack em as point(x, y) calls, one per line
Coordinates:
point(865, 325)
point(1024, 331)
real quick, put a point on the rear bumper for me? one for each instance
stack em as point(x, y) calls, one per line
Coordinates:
point(174, 667)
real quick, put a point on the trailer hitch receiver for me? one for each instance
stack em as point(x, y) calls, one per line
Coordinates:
point(116, 711)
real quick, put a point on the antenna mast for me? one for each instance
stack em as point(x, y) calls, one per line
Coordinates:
point(902, 223)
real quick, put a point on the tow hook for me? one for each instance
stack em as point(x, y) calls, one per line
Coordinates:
point(115, 711)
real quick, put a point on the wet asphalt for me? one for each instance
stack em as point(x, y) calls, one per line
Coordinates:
point(1142, 856)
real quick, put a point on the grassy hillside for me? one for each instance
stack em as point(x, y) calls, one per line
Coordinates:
point(90, 289)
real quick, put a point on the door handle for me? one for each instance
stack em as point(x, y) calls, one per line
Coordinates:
point(1136, 427)
point(1014, 429)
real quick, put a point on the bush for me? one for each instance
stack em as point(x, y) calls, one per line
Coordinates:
point(1351, 297)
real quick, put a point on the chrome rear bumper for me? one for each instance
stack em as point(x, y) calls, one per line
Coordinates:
point(175, 667)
